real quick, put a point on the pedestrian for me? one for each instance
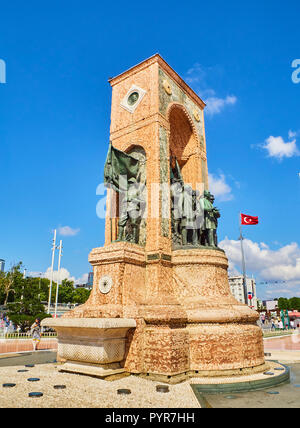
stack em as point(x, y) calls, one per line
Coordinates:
point(273, 325)
point(36, 333)
point(7, 323)
point(292, 324)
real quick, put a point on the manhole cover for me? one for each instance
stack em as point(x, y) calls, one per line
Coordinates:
point(33, 379)
point(279, 368)
point(59, 386)
point(162, 388)
point(231, 397)
point(268, 354)
point(272, 392)
point(268, 373)
point(8, 385)
point(29, 365)
point(124, 391)
point(35, 394)
point(22, 371)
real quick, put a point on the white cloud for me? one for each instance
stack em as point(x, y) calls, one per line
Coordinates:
point(67, 231)
point(278, 148)
point(64, 274)
point(292, 134)
point(197, 77)
point(282, 264)
point(219, 188)
point(215, 105)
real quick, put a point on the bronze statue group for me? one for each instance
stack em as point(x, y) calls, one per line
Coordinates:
point(194, 218)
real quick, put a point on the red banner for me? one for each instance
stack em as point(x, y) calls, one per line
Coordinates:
point(248, 220)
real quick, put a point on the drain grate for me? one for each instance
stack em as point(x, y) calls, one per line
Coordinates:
point(35, 394)
point(162, 388)
point(124, 391)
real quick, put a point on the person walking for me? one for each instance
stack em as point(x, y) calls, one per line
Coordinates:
point(36, 333)
point(273, 327)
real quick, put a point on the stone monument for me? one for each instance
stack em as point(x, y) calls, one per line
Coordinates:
point(161, 304)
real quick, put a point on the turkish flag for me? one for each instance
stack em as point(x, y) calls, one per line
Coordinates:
point(248, 220)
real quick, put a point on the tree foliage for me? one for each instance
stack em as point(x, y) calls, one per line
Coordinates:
point(291, 304)
point(23, 297)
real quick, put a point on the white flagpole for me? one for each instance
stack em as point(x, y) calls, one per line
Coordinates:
point(51, 277)
point(58, 279)
point(243, 263)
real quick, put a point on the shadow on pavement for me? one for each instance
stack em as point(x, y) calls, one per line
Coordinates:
point(286, 395)
point(22, 358)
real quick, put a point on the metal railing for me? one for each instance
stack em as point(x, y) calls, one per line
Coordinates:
point(16, 335)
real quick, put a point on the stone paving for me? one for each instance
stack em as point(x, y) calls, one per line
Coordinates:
point(82, 391)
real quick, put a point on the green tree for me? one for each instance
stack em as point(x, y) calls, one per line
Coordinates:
point(9, 283)
point(66, 291)
point(283, 303)
point(294, 303)
point(81, 295)
point(22, 296)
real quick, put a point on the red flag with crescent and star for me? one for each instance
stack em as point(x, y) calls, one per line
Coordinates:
point(248, 220)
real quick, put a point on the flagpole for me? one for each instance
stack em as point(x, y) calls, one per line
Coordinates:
point(58, 279)
point(243, 263)
point(52, 264)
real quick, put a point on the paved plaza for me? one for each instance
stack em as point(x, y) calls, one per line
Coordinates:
point(84, 391)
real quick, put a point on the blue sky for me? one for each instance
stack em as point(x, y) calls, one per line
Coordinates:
point(55, 117)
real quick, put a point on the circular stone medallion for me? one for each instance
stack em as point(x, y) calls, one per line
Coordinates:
point(196, 115)
point(133, 97)
point(167, 87)
point(105, 284)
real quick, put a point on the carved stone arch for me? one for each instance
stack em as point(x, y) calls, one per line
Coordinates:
point(184, 143)
point(186, 113)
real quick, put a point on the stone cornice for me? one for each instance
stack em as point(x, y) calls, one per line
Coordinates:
point(169, 70)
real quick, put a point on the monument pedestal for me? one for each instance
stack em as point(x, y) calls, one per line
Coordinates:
point(177, 312)
point(91, 346)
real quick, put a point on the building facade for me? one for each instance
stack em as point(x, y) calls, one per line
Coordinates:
point(89, 284)
point(237, 289)
point(270, 305)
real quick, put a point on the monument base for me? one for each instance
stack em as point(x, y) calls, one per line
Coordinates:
point(103, 371)
point(92, 346)
point(158, 314)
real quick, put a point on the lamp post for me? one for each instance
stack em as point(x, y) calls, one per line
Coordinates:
point(58, 279)
point(52, 264)
point(243, 263)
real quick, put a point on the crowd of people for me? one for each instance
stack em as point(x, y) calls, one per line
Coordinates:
point(7, 327)
point(277, 323)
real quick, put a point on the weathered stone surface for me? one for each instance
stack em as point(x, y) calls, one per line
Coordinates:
point(187, 320)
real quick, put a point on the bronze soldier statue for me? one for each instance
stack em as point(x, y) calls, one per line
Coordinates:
point(131, 212)
point(211, 215)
